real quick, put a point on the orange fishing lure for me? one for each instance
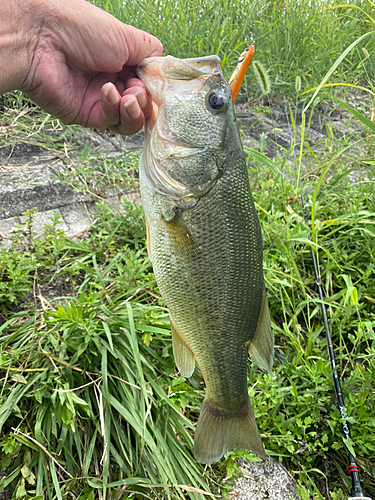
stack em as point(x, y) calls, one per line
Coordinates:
point(235, 81)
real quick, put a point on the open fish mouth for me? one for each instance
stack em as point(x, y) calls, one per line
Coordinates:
point(171, 68)
point(182, 78)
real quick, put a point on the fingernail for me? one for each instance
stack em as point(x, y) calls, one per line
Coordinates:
point(141, 98)
point(110, 94)
point(132, 108)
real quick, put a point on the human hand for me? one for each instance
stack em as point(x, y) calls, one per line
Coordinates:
point(81, 67)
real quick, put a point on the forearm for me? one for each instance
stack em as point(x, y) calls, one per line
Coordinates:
point(18, 37)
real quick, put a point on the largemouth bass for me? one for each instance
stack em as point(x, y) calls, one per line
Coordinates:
point(205, 244)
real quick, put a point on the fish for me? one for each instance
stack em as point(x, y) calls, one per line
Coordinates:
point(205, 244)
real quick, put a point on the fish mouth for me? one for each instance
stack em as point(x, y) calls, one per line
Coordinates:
point(185, 79)
point(169, 74)
point(171, 68)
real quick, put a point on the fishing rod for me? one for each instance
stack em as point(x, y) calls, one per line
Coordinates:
point(353, 469)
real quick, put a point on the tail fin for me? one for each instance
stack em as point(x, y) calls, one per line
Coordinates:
point(217, 433)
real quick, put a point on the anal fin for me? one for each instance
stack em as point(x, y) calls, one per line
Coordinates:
point(261, 346)
point(184, 357)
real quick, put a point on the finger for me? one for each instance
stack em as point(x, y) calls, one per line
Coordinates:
point(133, 90)
point(128, 75)
point(110, 100)
point(134, 82)
point(142, 98)
point(131, 115)
point(142, 45)
point(134, 86)
point(144, 102)
point(120, 85)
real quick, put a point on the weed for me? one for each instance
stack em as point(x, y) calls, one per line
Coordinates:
point(292, 38)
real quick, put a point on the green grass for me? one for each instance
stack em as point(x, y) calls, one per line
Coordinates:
point(292, 38)
point(342, 217)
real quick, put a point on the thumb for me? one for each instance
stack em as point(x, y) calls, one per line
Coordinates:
point(141, 45)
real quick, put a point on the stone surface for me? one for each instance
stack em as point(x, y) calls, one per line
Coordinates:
point(6, 227)
point(108, 141)
point(41, 219)
point(29, 179)
point(278, 128)
point(264, 480)
point(78, 218)
point(24, 187)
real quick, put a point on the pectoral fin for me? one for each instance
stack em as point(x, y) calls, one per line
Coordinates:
point(179, 233)
point(261, 346)
point(184, 357)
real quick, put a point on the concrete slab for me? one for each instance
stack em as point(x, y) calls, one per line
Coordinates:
point(26, 187)
point(6, 229)
point(78, 218)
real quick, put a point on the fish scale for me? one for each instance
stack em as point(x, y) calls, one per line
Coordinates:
point(223, 293)
point(205, 244)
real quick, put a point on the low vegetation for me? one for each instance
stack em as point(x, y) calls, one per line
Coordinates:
point(91, 404)
point(293, 39)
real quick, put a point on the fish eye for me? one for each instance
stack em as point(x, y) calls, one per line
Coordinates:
point(216, 101)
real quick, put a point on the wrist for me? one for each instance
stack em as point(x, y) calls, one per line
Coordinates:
point(19, 29)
